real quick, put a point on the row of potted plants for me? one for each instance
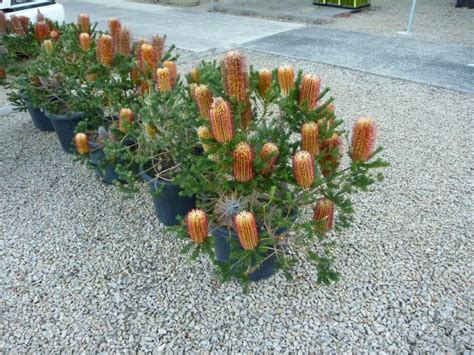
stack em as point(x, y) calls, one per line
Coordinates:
point(252, 167)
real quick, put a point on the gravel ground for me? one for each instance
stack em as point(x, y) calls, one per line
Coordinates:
point(84, 269)
point(435, 20)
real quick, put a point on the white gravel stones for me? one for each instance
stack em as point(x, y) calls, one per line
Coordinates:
point(84, 269)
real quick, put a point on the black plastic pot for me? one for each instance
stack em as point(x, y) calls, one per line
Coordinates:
point(65, 125)
point(222, 247)
point(107, 173)
point(40, 121)
point(168, 203)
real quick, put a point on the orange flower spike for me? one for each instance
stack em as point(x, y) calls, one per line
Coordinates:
point(115, 27)
point(135, 74)
point(105, 50)
point(242, 165)
point(310, 88)
point(195, 75)
point(197, 224)
point(163, 78)
point(203, 97)
point(171, 65)
point(222, 121)
point(269, 154)
point(148, 58)
point(25, 22)
point(236, 75)
point(204, 133)
point(16, 25)
point(144, 87)
point(3, 73)
point(48, 46)
point(42, 30)
point(54, 34)
point(82, 143)
point(84, 23)
point(158, 44)
point(363, 139)
point(310, 138)
point(324, 211)
point(124, 44)
point(286, 79)
point(246, 228)
point(85, 41)
point(3, 23)
point(330, 149)
point(303, 168)
point(125, 119)
point(264, 81)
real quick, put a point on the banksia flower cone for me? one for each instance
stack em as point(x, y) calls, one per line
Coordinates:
point(125, 119)
point(54, 35)
point(303, 168)
point(3, 23)
point(42, 30)
point(324, 211)
point(105, 50)
point(158, 44)
point(48, 46)
point(363, 139)
point(197, 224)
point(85, 41)
point(84, 23)
point(203, 97)
point(82, 143)
point(222, 121)
point(236, 76)
point(124, 45)
point(204, 133)
point(150, 130)
point(264, 81)
point(309, 91)
point(163, 78)
point(171, 65)
point(310, 138)
point(242, 165)
point(144, 87)
point(269, 155)
point(115, 27)
point(25, 22)
point(286, 79)
point(246, 228)
point(148, 58)
point(17, 26)
point(330, 149)
point(195, 75)
point(3, 73)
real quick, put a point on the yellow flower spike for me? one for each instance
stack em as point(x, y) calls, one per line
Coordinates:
point(286, 79)
point(246, 227)
point(242, 165)
point(222, 121)
point(84, 23)
point(85, 41)
point(82, 143)
point(310, 138)
point(163, 78)
point(269, 150)
point(363, 139)
point(197, 224)
point(105, 50)
point(309, 91)
point(124, 45)
point(204, 98)
point(324, 211)
point(264, 81)
point(303, 168)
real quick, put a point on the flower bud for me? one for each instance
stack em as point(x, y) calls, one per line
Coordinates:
point(310, 138)
point(246, 228)
point(48, 46)
point(54, 34)
point(264, 81)
point(84, 23)
point(204, 133)
point(90, 77)
point(149, 130)
point(309, 91)
point(286, 79)
point(171, 65)
point(105, 50)
point(236, 76)
point(363, 139)
point(82, 143)
point(124, 45)
point(242, 165)
point(203, 97)
point(269, 155)
point(42, 30)
point(85, 41)
point(324, 211)
point(163, 78)
point(303, 168)
point(330, 150)
point(197, 224)
point(222, 121)
point(125, 119)
point(195, 75)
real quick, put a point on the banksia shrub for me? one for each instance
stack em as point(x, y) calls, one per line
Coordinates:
point(84, 23)
point(125, 119)
point(330, 149)
point(197, 224)
point(310, 138)
point(42, 30)
point(171, 65)
point(203, 97)
point(222, 120)
point(264, 81)
point(309, 91)
point(3, 23)
point(246, 227)
point(324, 211)
point(82, 143)
point(158, 44)
point(204, 133)
point(115, 27)
point(163, 79)
point(124, 46)
point(268, 155)
point(48, 46)
point(303, 168)
point(85, 41)
point(286, 79)
point(363, 139)
point(105, 50)
point(242, 165)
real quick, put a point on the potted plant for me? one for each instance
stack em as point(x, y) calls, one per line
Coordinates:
point(273, 173)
